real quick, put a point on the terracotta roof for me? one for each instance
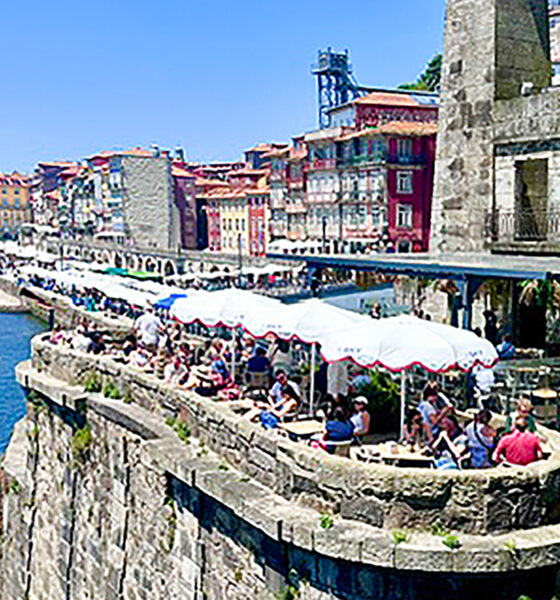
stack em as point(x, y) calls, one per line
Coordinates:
point(248, 171)
point(231, 192)
point(411, 128)
point(277, 153)
point(396, 99)
point(267, 147)
point(15, 179)
point(177, 171)
point(131, 152)
point(408, 128)
point(57, 163)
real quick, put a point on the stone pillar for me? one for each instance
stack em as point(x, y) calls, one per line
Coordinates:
point(492, 47)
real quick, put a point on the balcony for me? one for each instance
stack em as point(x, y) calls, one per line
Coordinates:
point(523, 230)
point(320, 164)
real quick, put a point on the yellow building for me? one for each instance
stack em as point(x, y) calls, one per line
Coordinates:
point(15, 208)
point(234, 221)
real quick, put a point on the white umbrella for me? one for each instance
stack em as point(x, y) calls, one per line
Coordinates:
point(231, 308)
point(398, 343)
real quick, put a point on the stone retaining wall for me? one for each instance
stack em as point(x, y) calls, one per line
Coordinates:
point(137, 514)
point(480, 502)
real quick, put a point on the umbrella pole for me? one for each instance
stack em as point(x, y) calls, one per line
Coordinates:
point(233, 348)
point(312, 380)
point(403, 403)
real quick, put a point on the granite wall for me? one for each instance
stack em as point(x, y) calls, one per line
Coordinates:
point(130, 511)
point(473, 502)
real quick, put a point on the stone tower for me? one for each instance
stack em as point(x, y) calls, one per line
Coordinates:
point(495, 50)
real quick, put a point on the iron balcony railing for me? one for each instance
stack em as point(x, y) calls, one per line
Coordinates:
point(523, 225)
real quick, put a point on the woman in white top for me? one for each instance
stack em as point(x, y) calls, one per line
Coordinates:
point(481, 439)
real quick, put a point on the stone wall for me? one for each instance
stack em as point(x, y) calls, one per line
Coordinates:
point(135, 513)
point(492, 48)
point(149, 209)
point(474, 502)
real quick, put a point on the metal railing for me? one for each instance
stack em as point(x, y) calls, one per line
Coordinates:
point(523, 225)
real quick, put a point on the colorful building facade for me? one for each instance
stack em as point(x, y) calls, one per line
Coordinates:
point(15, 208)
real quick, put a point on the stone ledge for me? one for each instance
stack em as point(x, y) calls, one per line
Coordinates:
point(472, 502)
point(289, 522)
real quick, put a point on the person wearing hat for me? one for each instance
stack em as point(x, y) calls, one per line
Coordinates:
point(361, 418)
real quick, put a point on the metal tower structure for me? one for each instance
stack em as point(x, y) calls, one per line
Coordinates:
point(336, 85)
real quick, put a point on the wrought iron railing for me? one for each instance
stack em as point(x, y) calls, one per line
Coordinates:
point(523, 225)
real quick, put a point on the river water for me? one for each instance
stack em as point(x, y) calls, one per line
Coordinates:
point(16, 331)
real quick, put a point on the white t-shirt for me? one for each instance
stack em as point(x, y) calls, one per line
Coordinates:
point(276, 390)
point(148, 326)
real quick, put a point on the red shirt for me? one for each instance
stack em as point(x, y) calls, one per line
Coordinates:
point(519, 448)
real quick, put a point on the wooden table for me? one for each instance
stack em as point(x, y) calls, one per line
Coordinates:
point(404, 457)
point(302, 429)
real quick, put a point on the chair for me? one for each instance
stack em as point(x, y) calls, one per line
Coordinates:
point(257, 380)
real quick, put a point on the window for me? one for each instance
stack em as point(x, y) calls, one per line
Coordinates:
point(404, 216)
point(404, 147)
point(404, 182)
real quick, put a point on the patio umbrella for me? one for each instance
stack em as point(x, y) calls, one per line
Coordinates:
point(398, 343)
point(230, 308)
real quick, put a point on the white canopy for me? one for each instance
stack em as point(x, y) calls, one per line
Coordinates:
point(398, 343)
point(231, 308)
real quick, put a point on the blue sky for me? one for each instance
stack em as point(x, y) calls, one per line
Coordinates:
point(215, 77)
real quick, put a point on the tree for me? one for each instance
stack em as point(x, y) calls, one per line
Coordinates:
point(430, 78)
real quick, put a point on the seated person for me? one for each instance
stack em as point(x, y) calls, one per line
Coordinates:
point(451, 444)
point(524, 408)
point(258, 363)
point(506, 349)
point(277, 391)
point(57, 336)
point(361, 419)
point(521, 447)
point(431, 416)
point(288, 404)
point(140, 358)
point(433, 387)
point(80, 341)
point(175, 371)
point(337, 429)
point(481, 437)
point(414, 431)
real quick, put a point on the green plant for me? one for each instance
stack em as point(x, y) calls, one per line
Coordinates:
point(183, 431)
point(15, 486)
point(238, 575)
point(290, 592)
point(170, 422)
point(511, 547)
point(127, 399)
point(326, 521)
point(81, 441)
point(452, 542)
point(92, 383)
point(438, 529)
point(223, 466)
point(399, 537)
point(383, 396)
point(110, 390)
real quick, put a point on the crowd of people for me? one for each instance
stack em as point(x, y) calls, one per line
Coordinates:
point(433, 427)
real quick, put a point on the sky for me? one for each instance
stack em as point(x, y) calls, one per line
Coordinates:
point(215, 77)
